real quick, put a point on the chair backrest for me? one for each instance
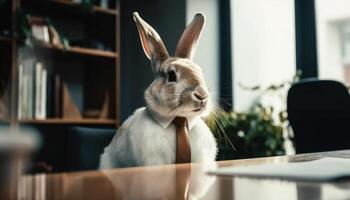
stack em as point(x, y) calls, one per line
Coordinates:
point(319, 113)
point(85, 146)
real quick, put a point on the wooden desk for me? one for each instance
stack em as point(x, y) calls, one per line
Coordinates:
point(160, 182)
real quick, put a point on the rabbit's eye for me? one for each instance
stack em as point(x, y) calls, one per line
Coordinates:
point(171, 76)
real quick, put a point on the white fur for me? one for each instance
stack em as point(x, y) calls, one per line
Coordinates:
point(148, 137)
point(142, 141)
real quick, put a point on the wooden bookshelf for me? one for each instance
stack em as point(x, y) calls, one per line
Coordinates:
point(81, 51)
point(94, 8)
point(87, 54)
point(74, 50)
point(5, 39)
point(90, 74)
point(4, 122)
point(105, 10)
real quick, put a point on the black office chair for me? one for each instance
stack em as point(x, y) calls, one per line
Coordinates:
point(319, 113)
point(85, 146)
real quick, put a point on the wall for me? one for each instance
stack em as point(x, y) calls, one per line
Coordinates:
point(207, 55)
point(168, 18)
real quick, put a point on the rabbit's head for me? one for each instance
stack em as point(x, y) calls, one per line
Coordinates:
point(179, 88)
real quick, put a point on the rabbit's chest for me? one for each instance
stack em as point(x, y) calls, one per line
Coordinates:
point(158, 145)
point(157, 140)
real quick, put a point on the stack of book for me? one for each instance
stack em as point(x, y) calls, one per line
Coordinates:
point(39, 92)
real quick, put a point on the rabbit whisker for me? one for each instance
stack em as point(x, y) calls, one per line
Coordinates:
point(217, 115)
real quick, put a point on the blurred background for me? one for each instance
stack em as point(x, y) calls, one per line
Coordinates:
point(74, 70)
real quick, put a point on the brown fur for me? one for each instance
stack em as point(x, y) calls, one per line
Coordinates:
point(188, 96)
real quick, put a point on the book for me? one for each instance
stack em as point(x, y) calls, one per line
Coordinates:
point(41, 32)
point(57, 96)
point(25, 90)
point(30, 88)
point(38, 71)
point(50, 96)
point(20, 92)
point(40, 91)
point(43, 93)
point(39, 28)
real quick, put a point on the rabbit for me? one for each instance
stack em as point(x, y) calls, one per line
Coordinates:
point(148, 137)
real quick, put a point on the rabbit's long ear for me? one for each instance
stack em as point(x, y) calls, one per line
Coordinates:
point(152, 44)
point(188, 42)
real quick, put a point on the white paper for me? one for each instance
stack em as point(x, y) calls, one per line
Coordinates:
point(324, 169)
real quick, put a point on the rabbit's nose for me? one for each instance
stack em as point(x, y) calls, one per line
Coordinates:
point(200, 93)
point(199, 97)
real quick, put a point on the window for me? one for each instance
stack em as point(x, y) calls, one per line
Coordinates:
point(333, 39)
point(263, 46)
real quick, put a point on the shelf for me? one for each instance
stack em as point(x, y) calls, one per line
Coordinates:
point(81, 51)
point(69, 121)
point(5, 39)
point(4, 121)
point(95, 8)
point(105, 10)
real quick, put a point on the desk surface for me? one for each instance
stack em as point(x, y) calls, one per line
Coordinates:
point(178, 181)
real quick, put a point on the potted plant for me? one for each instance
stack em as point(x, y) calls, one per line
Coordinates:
point(262, 131)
